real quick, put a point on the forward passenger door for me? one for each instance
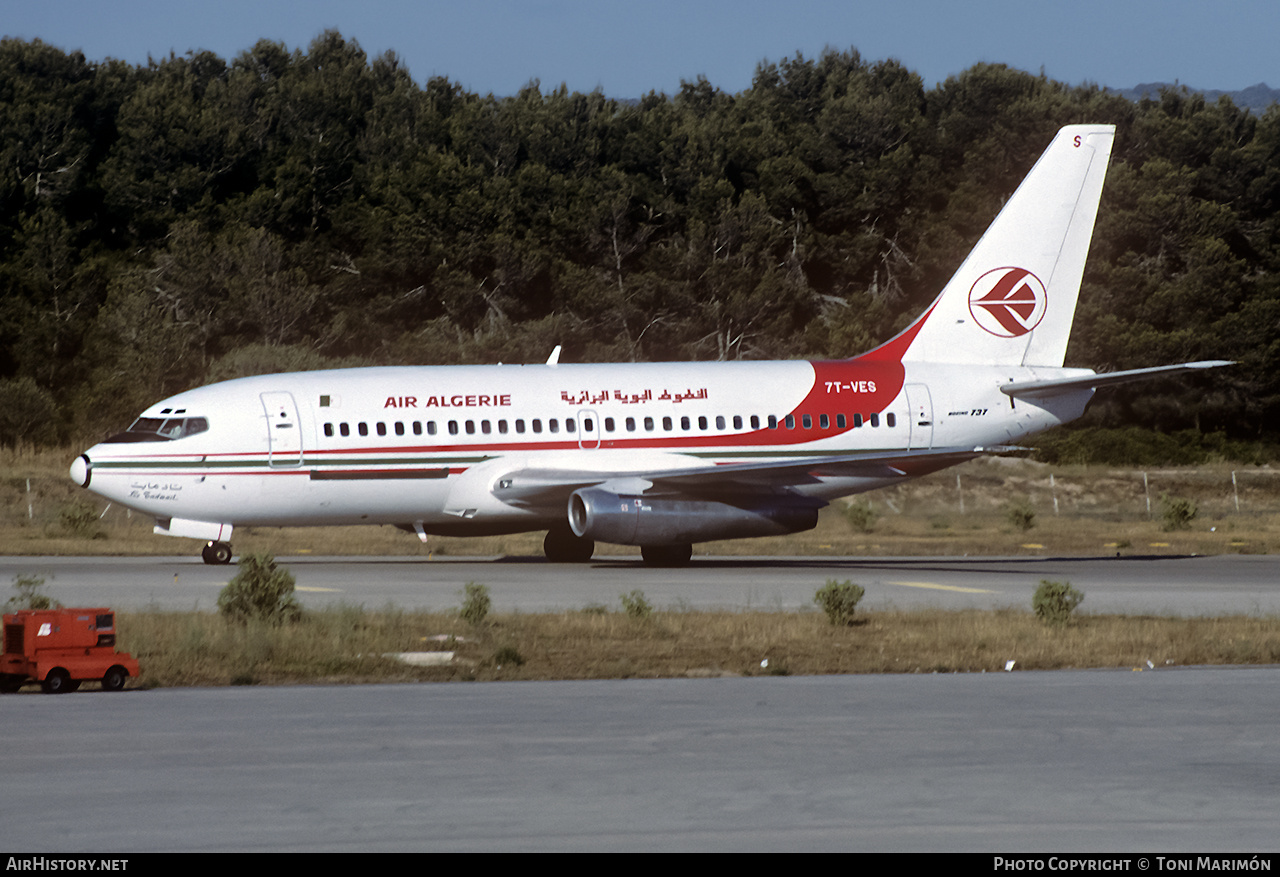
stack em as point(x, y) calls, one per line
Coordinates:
point(284, 434)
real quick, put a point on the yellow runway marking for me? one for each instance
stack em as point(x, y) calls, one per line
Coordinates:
point(936, 587)
point(312, 590)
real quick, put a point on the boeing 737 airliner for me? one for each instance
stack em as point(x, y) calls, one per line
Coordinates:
point(659, 455)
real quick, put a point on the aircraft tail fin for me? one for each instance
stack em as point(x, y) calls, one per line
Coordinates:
point(1014, 298)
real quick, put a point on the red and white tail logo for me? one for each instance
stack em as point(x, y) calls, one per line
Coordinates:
point(1040, 240)
point(1008, 302)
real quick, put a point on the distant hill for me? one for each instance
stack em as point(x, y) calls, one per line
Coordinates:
point(1255, 98)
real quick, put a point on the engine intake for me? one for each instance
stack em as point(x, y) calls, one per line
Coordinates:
point(600, 514)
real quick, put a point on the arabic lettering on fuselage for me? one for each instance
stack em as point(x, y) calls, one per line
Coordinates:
point(588, 397)
point(154, 490)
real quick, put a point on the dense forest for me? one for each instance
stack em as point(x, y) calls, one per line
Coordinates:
point(196, 219)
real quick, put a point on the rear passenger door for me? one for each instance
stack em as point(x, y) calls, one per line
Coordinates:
point(920, 417)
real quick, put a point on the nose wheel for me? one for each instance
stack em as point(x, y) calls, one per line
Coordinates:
point(217, 553)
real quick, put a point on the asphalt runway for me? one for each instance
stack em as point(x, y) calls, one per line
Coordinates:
point(1158, 761)
point(1185, 586)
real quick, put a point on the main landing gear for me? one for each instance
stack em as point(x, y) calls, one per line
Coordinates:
point(667, 555)
point(217, 553)
point(563, 546)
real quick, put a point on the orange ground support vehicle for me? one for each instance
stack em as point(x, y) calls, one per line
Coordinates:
point(60, 648)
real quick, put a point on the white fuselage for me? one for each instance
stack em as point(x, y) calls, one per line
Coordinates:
point(429, 446)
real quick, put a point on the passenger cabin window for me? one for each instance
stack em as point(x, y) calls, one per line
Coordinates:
point(170, 428)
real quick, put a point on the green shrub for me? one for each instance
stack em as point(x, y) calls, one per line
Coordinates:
point(1055, 601)
point(861, 516)
point(260, 590)
point(636, 605)
point(507, 655)
point(475, 603)
point(29, 596)
point(1021, 515)
point(839, 600)
point(1177, 513)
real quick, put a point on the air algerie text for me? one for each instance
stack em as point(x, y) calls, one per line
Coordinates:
point(477, 401)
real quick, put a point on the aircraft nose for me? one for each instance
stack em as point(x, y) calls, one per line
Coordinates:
point(81, 470)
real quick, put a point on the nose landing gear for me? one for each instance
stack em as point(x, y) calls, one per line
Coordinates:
point(217, 553)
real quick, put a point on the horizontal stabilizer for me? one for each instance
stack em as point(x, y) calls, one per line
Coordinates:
point(1051, 387)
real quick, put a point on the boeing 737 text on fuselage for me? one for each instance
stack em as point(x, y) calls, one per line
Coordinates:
point(660, 455)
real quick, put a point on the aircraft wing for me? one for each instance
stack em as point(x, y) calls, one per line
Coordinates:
point(1058, 385)
point(545, 486)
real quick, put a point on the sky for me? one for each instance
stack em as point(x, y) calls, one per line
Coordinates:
point(627, 49)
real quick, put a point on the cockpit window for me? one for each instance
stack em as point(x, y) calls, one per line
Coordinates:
point(161, 429)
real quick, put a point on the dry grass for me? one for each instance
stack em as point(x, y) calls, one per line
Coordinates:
point(1098, 510)
point(349, 645)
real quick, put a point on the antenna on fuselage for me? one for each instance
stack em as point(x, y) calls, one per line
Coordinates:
point(554, 358)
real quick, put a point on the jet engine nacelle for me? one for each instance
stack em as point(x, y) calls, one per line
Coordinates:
point(600, 514)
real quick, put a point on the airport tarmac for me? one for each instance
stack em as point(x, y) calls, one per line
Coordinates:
point(1185, 585)
point(1161, 762)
